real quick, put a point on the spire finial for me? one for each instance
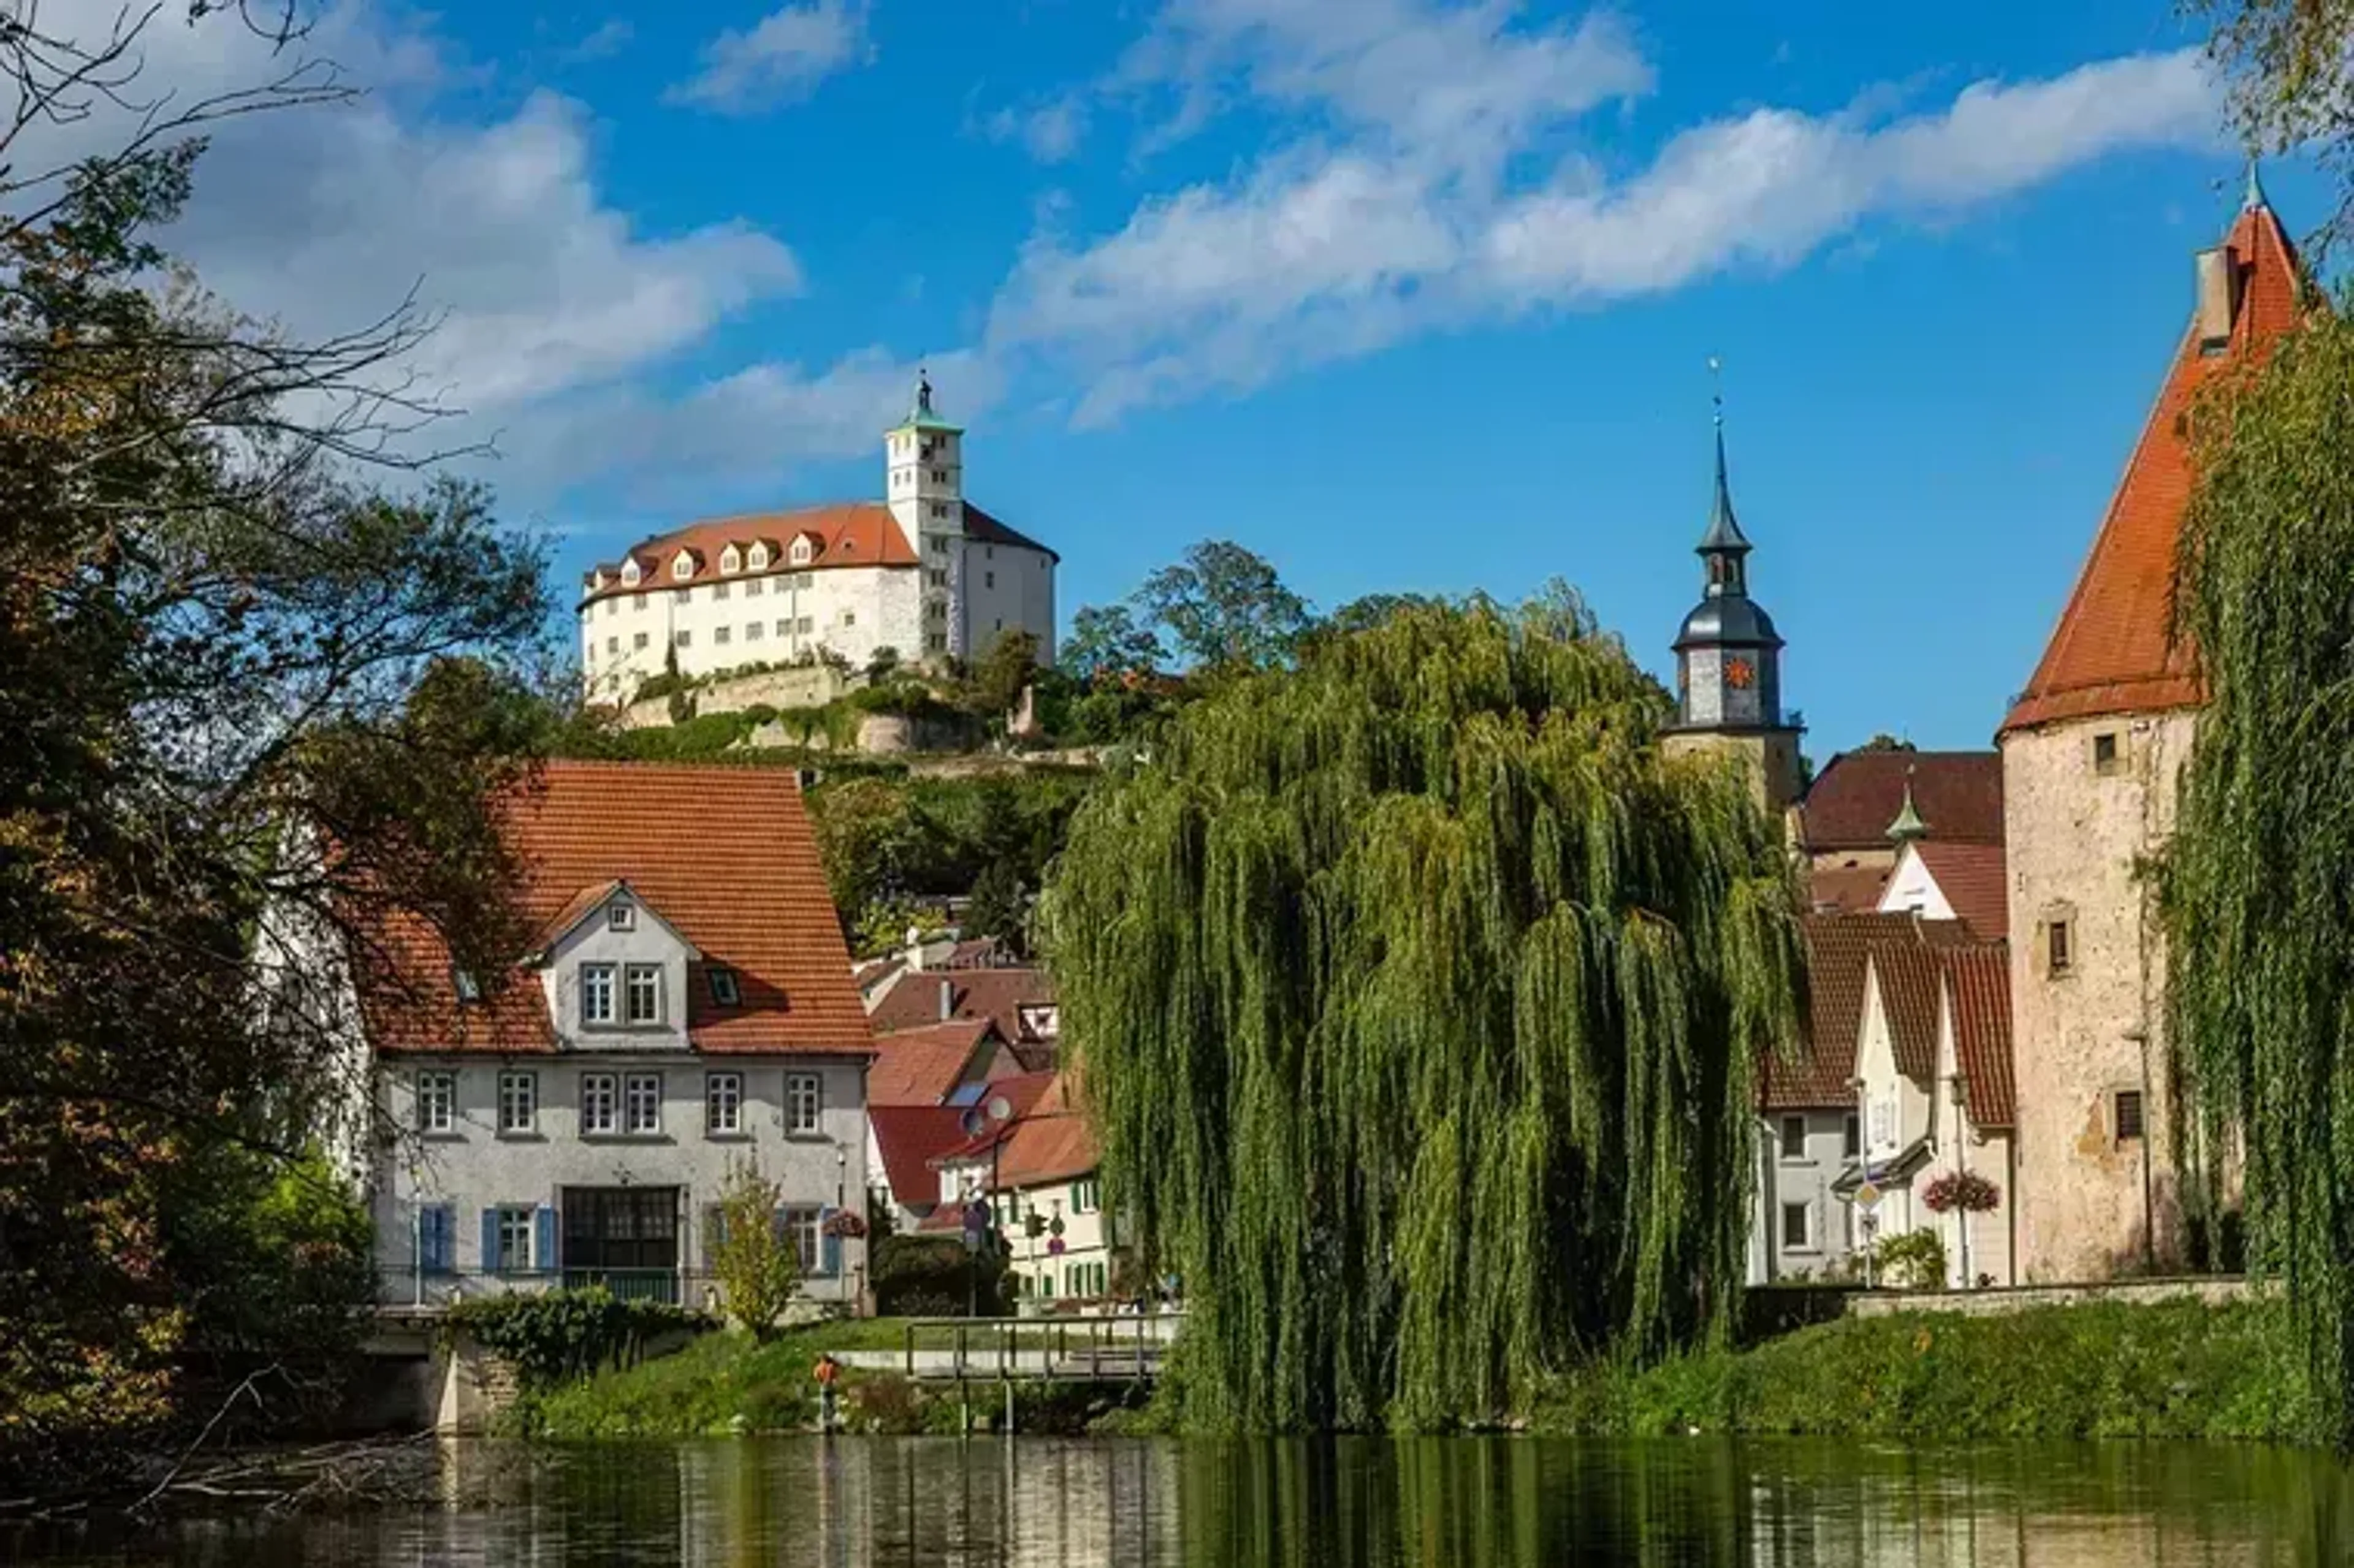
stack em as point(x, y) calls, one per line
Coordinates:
point(2255, 196)
point(1716, 389)
point(1908, 824)
point(923, 389)
point(1723, 529)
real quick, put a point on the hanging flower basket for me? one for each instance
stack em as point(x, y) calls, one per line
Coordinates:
point(1965, 1189)
point(850, 1223)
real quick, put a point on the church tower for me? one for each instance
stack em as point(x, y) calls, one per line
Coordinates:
point(924, 485)
point(1729, 662)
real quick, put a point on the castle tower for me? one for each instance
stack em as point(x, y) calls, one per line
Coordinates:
point(2092, 753)
point(924, 486)
point(1729, 662)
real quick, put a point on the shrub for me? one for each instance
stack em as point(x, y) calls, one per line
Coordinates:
point(1914, 1260)
point(759, 1268)
point(934, 1277)
point(565, 1334)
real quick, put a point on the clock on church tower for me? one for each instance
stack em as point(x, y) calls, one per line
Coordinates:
point(1729, 660)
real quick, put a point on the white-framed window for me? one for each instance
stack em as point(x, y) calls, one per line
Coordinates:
point(596, 993)
point(436, 1102)
point(600, 1103)
point(682, 567)
point(718, 592)
point(685, 640)
point(629, 579)
point(755, 587)
point(1794, 1217)
point(723, 635)
point(800, 552)
point(620, 916)
point(637, 601)
point(1087, 1195)
point(513, 1234)
point(784, 629)
point(645, 994)
point(1794, 1138)
point(518, 1102)
point(759, 557)
point(1884, 1122)
point(751, 632)
point(642, 1103)
point(463, 982)
point(805, 1224)
point(729, 560)
point(723, 1103)
point(724, 992)
point(803, 1101)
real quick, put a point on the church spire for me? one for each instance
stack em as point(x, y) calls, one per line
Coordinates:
point(1724, 546)
point(2254, 201)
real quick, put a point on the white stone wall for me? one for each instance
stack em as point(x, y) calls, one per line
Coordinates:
point(1807, 1178)
point(852, 611)
point(476, 1167)
point(2089, 1206)
point(1007, 588)
point(1896, 1110)
point(1912, 890)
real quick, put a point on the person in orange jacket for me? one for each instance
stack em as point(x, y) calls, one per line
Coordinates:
point(828, 1372)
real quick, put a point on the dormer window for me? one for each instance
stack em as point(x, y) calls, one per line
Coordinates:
point(630, 574)
point(725, 992)
point(643, 988)
point(760, 558)
point(802, 551)
point(730, 561)
point(681, 566)
point(620, 917)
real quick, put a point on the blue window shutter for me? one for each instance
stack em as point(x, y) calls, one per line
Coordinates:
point(543, 1238)
point(491, 1262)
point(830, 1264)
point(440, 1236)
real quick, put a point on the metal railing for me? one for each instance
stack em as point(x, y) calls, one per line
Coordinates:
point(1058, 1350)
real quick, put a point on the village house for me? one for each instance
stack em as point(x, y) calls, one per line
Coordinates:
point(923, 572)
point(687, 1008)
point(1017, 999)
point(924, 1084)
point(2092, 753)
point(1839, 828)
point(1036, 1168)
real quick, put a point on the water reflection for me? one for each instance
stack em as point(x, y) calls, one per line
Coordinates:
point(1355, 1503)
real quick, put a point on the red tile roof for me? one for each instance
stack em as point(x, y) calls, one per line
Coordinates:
point(1908, 978)
point(1021, 1093)
point(1858, 794)
point(1048, 1140)
point(723, 854)
point(1845, 889)
point(997, 994)
point(1977, 982)
point(2112, 652)
point(1972, 878)
point(1836, 947)
point(921, 1066)
point(841, 534)
point(909, 1138)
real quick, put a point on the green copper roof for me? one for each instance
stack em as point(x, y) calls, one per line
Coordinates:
point(1908, 824)
point(2255, 196)
point(922, 416)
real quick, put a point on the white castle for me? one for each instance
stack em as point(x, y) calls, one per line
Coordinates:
point(923, 572)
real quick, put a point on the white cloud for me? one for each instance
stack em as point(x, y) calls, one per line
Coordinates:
point(781, 58)
point(609, 38)
point(1410, 204)
point(1051, 131)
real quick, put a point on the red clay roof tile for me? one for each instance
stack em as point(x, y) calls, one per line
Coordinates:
point(1971, 877)
point(909, 1138)
point(1977, 981)
point(1851, 802)
point(1837, 947)
point(921, 1066)
point(2112, 652)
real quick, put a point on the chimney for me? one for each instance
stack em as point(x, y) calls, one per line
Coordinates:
point(2215, 302)
point(915, 957)
point(947, 1000)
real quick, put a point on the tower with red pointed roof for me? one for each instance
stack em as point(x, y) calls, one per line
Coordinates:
point(2092, 752)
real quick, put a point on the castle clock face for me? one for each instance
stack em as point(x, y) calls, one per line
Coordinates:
point(1740, 673)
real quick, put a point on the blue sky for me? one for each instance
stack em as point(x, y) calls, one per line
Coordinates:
point(1404, 294)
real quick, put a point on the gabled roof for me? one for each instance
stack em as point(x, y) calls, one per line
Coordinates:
point(997, 994)
point(1958, 794)
point(1978, 985)
point(1972, 878)
point(909, 1138)
point(1047, 1141)
point(1021, 1093)
point(921, 1066)
point(587, 902)
point(988, 530)
point(1838, 947)
point(724, 853)
point(2112, 652)
point(841, 534)
point(1908, 978)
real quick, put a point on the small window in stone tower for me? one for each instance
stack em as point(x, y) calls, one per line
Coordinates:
point(2059, 947)
point(2126, 1114)
point(2105, 752)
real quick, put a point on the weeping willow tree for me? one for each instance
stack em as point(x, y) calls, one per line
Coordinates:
point(1417, 998)
point(2259, 882)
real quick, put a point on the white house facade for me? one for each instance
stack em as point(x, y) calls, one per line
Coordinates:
point(577, 1121)
point(923, 572)
point(1038, 1173)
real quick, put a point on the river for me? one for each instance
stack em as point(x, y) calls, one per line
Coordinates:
point(1458, 1503)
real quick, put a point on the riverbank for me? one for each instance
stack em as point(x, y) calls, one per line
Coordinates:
point(2171, 1369)
point(732, 1383)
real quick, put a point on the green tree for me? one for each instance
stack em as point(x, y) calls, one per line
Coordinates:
point(998, 907)
point(1004, 672)
point(1105, 643)
point(1418, 997)
point(2290, 64)
point(2261, 969)
point(756, 1265)
point(1225, 608)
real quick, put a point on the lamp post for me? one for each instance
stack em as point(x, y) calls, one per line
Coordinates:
point(1961, 1085)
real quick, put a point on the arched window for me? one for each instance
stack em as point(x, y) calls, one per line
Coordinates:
point(802, 551)
point(681, 566)
point(730, 561)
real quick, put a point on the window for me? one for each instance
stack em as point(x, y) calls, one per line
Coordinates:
point(759, 561)
point(2105, 752)
point(729, 561)
point(939, 508)
point(2059, 947)
point(1087, 1195)
point(940, 578)
point(940, 476)
point(718, 592)
point(2126, 1117)
point(463, 982)
point(1884, 1122)
point(1793, 1227)
point(723, 1103)
point(642, 1103)
point(784, 629)
point(724, 990)
point(756, 587)
point(518, 1102)
point(801, 1102)
point(620, 917)
point(800, 552)
point(683, 567)
point(804, 1226)
point(723, 635)
point(1088, 1280)
point(1851, 1136)
point(596, 993)
point(989, 579)
point(612, 645)
point(645, 994)
point(939, 545)
point(436, 1102)
point(599, 1110)
point(684, 638)
point(751, 632)
point(637, 601)
point(629, 576)
point(638, 640)
point(509, 1237)
point(849, 617)
point(1794, 1138)
point(612, 606)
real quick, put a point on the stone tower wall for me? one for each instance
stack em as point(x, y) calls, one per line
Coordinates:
point(2091, 1206)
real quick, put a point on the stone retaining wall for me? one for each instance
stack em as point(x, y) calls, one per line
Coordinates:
point(2212, 1289)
